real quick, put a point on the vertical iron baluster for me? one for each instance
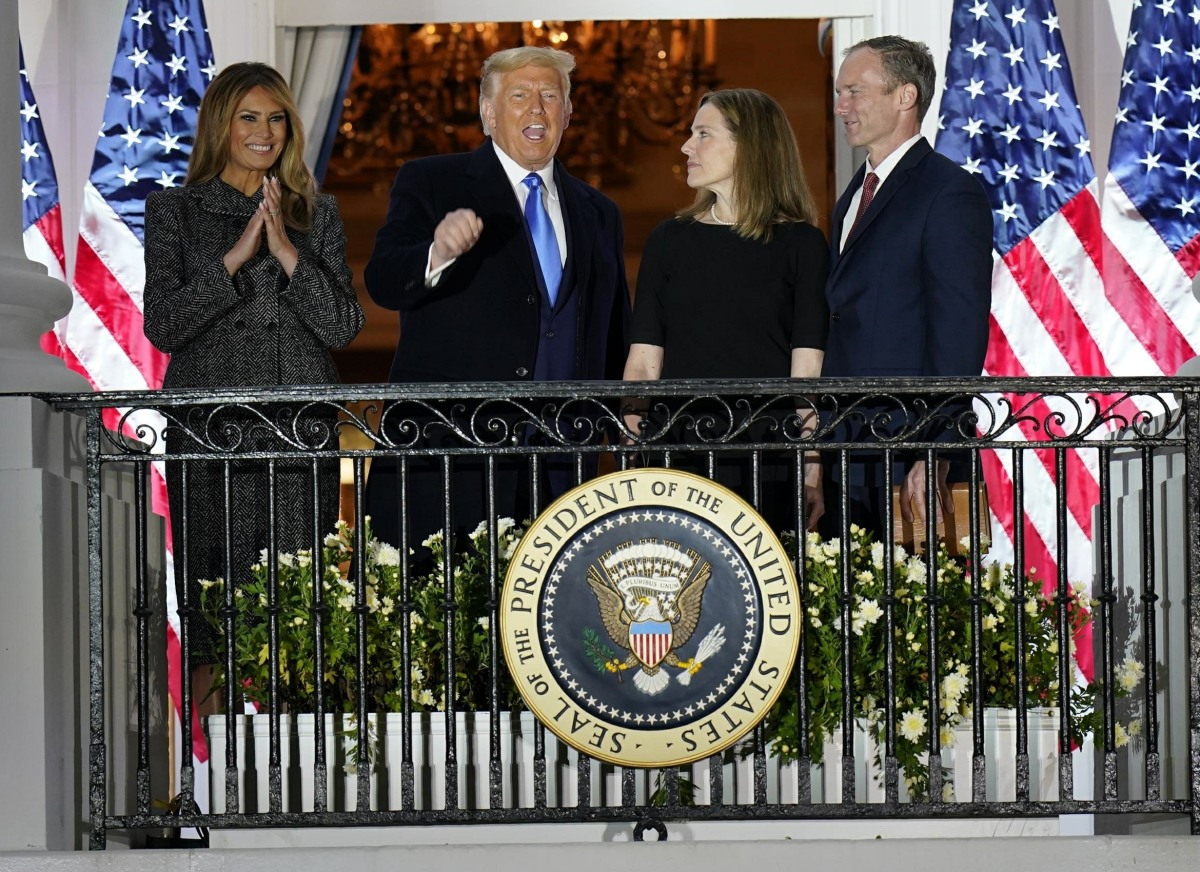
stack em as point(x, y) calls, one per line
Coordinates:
point(318, 617)
point(407, 770)
point(891, 765)
point(142, 614)
point(228, 614)
point(844, 597)
point(184, 608)
point(936, 776)
point(274, 775)
point(361, 610)
point(1066, 672)
point(1022, 596)
point(448, 607)
point(978, 754)
point(1107, 642)
point(495, 661)
point(98, 747)
point(1149, 599)
point(800, 674)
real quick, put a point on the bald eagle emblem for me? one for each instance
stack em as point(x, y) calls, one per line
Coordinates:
point(649, 595)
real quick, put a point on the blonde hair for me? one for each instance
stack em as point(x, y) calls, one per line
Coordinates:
point(769, 186)
point(210, 153)
point(524, 56)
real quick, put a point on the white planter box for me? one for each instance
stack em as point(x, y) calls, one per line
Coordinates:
point(517, 765)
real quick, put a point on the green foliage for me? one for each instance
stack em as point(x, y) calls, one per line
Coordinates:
point(383, 617)
point(1001, 605)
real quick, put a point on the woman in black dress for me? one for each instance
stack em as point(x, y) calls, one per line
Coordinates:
point(733, 286)
point(247, 285)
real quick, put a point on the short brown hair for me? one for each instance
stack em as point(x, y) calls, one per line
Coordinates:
point(904, 62)
point(211, 150)
point(768, 177)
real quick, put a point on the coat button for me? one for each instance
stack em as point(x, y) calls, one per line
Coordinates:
point(270, 325)
point(529, 300)
point(550, 335)
point(239, 324)
point(522, 371)
point(834, 316)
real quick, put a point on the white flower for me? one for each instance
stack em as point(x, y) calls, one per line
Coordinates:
point(1031, 608)
point(205, 583)
point(346, 602)
point(1121, 736)
point(916, 571)
point(912, 725)
point(287, 561)
point(484, 622)
point(304, 558)
point(299, 621)
point(262, 556)
point(1129, 674)
point(953, 686)
point(870, 611)
point(899, 554)
point(866, 576)
point(387, 555)
point(389, 605)
point(504, 525)
point(425, 698)
point(989, 622)
point(432, 539)
point(877, 555)
point(946, 737)
point(330, 540)
point(1135, 728)
point(479, 531)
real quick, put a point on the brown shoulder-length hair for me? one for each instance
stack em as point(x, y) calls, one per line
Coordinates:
point(768, 178)
point(211, 150)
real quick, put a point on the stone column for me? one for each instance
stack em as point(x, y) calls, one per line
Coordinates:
point(30, 301)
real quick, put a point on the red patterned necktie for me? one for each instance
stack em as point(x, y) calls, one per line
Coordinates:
point(868, 194)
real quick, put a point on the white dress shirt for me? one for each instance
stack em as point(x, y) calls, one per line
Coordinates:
point(881, 172)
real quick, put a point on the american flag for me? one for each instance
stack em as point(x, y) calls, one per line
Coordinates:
point(163, 63)
point(1064, 300)
point(41, 214)
point(1151, 204)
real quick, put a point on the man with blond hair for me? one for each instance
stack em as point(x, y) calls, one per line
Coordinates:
point(503, 267)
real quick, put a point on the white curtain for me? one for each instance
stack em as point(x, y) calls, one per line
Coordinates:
point(312, 59)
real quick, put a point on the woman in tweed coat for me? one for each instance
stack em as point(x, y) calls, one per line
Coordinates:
point(247, 285)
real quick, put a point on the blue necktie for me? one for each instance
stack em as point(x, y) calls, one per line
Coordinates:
point(542, 231)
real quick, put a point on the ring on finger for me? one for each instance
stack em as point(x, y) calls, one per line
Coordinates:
point(273, 212)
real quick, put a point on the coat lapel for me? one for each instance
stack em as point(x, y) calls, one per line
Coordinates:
point(580, 218)
point(895, 181)
point(497, 205)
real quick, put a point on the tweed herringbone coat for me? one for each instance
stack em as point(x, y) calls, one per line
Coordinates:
point(255, 328)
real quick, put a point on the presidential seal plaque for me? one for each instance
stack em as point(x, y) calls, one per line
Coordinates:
point(650, 618)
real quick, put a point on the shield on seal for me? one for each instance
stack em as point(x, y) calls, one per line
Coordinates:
point(650, 640)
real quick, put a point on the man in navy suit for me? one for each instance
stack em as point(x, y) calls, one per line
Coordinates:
point(909, 287)
point(503, 268)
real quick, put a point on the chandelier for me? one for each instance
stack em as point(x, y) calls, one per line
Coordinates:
point(414, 90)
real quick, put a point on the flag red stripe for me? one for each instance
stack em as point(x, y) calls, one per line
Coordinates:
point(1126, 291)
point(1189, 259)
point(50, 226)
point(1053, 308)
point(109, 300)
